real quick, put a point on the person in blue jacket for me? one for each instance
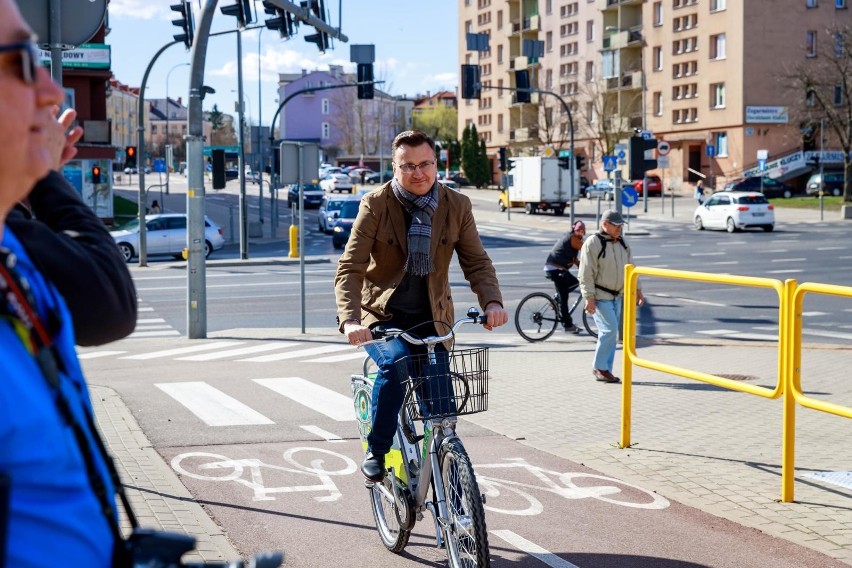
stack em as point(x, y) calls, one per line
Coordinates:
point(57, 503)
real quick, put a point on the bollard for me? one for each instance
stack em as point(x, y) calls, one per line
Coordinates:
point(294, 241)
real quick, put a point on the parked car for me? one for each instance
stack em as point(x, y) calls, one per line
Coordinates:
point(770, 187)
point(232, 173)
point(312, 195)
point(131, 171)
point(602, 188)
point(831, 183)
point(329, 210)
point(377, 177)
point(165, 234)
point(734, 211)
point(459, 178)
point(449, 183)
point(343, 225)
point(653, 183)
point(584, 186)
point(336, 182)
point(355, 174)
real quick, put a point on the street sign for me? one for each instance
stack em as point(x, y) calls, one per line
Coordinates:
point(621, 154)
point(762, 154)
point(629, 196)
point(663, 148)
point(711, 150)
point(159, 165)
point(564, 153)
point(646, 134)
point(549, 152)
point(610, 163)
point(663, 162)
point(761, 164)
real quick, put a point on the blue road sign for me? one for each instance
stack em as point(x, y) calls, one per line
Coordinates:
point(621, 155)
point(160, 165)
point(564, 153)
point(610, 163)
point(761, 164)
point(629, 196)
point(711, 150)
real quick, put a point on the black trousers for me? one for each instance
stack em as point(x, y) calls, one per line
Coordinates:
point(565, 282)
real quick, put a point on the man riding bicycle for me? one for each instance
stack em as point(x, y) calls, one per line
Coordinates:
point(564, 255)
point(395, 272)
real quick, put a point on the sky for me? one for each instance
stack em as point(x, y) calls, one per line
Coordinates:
point(416, 44)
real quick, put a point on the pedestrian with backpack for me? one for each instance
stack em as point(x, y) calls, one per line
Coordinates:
point(565, 254)
point(602, 262)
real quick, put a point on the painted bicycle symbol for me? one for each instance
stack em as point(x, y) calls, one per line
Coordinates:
point(515, 498)
point(214, 467)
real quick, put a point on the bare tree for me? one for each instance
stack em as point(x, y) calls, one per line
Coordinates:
point(609, 123)
point(822, 85)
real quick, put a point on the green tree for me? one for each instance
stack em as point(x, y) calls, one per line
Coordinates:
point(216, 119)
point(439, 122)
point(469, 152)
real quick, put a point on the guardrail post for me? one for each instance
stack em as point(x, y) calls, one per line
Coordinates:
point(627, 346)
point(790, 347)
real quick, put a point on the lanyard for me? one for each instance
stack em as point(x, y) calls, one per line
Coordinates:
point(18, 305)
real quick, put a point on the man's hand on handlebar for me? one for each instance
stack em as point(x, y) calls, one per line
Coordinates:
point(495, 316)
point(357, 333)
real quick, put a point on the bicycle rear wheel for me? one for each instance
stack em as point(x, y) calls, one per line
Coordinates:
point(589, 324)
point(466, 536)
point(391, 517)
point(536, 317)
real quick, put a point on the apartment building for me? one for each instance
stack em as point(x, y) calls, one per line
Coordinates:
point(709, 76)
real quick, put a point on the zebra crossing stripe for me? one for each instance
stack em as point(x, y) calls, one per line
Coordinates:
point(212, 406)
point(296, 354)
point(324, 434)
point(336, 358)
point(98, 354)
point(155, 333)
point(325, 401)
point(239, 351)
point(183, 350)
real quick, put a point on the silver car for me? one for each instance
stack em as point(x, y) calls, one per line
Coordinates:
point(165, 234)
point(329, 211)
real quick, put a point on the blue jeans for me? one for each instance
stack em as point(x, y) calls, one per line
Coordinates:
point(607, 315)
point(388, 392)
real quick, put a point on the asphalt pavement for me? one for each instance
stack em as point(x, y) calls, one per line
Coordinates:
point(716, 450)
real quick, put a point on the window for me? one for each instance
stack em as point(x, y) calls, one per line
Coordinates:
point(717, 95)
point(590, 112)
point(325, 106)
point(590, 71)
point(548, 7)
point(839, 45)
point(548, 81)
point(326, 130)
point(590, 30)
point(810, 3)
point(810, 43)
point(716, 5)
point(658, 104)
point(499, 19)
point(500, 91)
point(717, 46)
point(658, 13)
point(548, 42)
point(840, 3)
point(658, 59)
point(721, 139)
point(838, 95)
point(499, 54)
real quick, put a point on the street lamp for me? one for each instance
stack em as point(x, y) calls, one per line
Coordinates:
point(168, 166)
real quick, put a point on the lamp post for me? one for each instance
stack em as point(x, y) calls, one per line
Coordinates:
point(259, 134)
point(168, 166)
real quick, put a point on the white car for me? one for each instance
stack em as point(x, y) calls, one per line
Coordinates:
point(735, 210)
point(336, 182)
point(165, 234)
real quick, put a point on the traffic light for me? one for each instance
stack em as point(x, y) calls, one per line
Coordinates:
point(813, 162)
point(130, 157)
point(581, 162)
point(283, 21)
point(639, 164)
point(365, 74)
point(185, 23)
point(564, 162)
point(96, 175)
point(218, 159)
point(320, 38)
point(471, 84)
point(241, 9)
point(522, 81)
point(504, 159)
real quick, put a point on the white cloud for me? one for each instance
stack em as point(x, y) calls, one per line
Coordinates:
point(140, 9)
point(276, 60)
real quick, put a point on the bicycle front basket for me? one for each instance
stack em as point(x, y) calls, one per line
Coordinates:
point(445, 384)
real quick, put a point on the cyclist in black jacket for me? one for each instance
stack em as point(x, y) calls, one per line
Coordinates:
point(564, 255)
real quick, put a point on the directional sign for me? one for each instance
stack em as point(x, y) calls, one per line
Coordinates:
point(629, 196)
point(160, 165)
point(646, 134)
point(761, 164)
point(663, 148)
point(711, 150)
point(621, 155)
point(610, 163)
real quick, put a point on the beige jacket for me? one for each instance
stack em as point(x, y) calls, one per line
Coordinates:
point(371, 265)
point(607, 271)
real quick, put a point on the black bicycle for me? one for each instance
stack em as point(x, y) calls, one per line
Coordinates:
point(538, 314)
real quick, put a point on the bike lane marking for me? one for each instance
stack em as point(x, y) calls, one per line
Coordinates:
point(533, 549)
point(318, 398)
point(324, 434)
point(212, 406)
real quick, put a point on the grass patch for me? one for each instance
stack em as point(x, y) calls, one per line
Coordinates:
point(829, 203)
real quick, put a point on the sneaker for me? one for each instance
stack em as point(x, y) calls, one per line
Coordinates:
point(373, 467)
point(572, 329)
point(605, 376)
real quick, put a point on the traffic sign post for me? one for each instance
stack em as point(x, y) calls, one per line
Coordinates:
point(610, 163)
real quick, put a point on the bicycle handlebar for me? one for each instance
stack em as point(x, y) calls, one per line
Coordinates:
point(384, 334)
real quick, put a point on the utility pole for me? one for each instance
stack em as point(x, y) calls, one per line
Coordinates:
point(242, 155)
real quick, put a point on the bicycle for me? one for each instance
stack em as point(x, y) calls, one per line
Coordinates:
point(539, 313)
point(441, 387)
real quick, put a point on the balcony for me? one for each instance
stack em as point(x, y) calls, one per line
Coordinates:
point(626, 81)
point(520, 62)
point(621, 39)
point(527, 134)
point(604, 5)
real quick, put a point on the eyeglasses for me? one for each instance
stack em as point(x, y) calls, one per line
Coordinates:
point(409, 168)
point(28, 53)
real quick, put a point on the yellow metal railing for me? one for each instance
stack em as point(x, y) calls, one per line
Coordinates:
point(788, 380)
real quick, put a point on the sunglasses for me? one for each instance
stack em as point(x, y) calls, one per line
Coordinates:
point(28, 54)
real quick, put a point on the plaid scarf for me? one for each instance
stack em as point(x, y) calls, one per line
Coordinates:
point(421, 208)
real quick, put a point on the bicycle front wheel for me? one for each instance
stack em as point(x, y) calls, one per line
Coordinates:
point(465, 535)
point(589, 324)
point(392, 516)
point(536, 317)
